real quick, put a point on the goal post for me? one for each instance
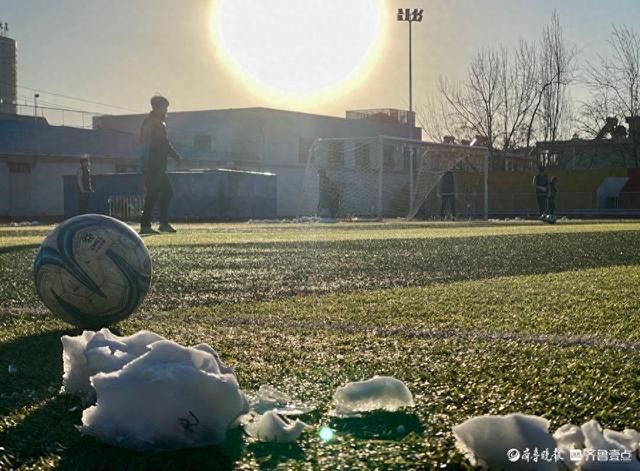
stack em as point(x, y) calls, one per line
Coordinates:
point(383, 176)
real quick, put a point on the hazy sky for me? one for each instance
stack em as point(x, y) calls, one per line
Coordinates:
point(122, 51)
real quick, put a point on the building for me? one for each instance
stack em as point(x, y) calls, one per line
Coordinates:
point(8, 72)
point(614, 147)
point(34, 157)
point(264, 140)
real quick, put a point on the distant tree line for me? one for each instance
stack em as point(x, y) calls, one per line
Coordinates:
point(512, 97)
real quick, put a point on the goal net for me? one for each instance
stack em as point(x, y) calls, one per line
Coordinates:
point(378, 177)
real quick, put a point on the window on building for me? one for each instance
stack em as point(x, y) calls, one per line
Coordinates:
point(388, 157)
point(202, 142)
point(304, 146)
point(335, 154)
point(406, 157)
point(362, 156)
point(126, 168)
point(19, 167)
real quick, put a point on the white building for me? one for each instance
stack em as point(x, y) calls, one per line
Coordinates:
point(262, 139)
point(34, 157)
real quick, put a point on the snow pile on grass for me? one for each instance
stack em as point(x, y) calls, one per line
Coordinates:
point(271, 427)
point(377, 393)
point(98, 352)
point(298, 220)
point(500, 442)
point(269, 398)
point(591, 440)
point(485, 440)
point(152, 394)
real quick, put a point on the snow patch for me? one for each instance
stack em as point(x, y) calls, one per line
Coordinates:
point(98, 352)
point(269, 398)
point(169, 398)
point(591, 439)
point(270, 427)
point(485, 440)
point(377, 393)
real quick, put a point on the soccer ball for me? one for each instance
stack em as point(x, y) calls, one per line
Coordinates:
point(550, 219)
point(92, 271)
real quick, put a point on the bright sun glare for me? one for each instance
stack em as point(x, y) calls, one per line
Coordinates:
point(299, 48)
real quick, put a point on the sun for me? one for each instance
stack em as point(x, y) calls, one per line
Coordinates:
point(301, 49)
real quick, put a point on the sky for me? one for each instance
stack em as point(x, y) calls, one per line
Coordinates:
point(120, 52)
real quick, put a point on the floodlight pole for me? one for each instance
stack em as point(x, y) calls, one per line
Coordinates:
point(408, 15)
point(35, 104)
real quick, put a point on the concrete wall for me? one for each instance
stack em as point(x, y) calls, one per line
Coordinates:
point(4, 188)
point(42, 187)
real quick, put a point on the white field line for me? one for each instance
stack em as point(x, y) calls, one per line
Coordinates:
point(543, 339)
point(406, 332)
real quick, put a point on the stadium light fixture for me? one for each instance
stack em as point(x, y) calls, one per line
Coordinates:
point(35, 104)
point(409, 15)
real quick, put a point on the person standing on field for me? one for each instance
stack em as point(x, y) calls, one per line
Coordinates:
point(551, 198)
point(153, 165)
point(448, 194)
point(85, 189)
point(541, 184)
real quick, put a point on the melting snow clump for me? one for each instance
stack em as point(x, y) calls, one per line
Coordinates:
point(269, 398)
point(485, 440)
point(151, 394)
point(377, 393)
point(98, 352)
point(499, 442)
point(591, 438)
point(270, 427)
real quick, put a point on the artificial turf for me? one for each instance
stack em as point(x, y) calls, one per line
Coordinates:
point(487, 319)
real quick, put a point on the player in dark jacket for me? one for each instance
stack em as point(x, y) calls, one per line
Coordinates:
point(155, 149)
point(551, 198)
point(541, 184)
point(448, 194)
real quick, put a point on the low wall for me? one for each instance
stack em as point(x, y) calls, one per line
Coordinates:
point(197, 195)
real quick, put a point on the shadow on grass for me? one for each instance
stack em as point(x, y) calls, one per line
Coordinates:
point(272, 455)
point(38, 425)
point(381, 425)
point(18, 248)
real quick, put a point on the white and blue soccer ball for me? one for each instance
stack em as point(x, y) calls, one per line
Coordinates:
point(92, 271)
point(550, 219)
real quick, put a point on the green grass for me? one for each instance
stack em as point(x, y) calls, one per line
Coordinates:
point(308, 308)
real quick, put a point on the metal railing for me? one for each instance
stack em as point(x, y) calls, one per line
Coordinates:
point(126, 207)
point(54, 116)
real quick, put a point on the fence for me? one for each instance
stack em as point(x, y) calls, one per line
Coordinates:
point(126, 207)
point(57, 116)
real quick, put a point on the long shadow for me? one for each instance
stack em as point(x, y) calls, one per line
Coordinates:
point(18, 248)
point(191, 276)
point(267, 271)
point(42, 423)
point(272, 455)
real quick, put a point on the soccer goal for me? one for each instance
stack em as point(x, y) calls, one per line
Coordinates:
point(383, 177)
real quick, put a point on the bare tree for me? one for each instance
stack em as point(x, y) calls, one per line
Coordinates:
point(436, 118)
point(615, 82)
point(476, 103)
point(556, 74)
point(509, 96)
point(519, 87)
point(618, 73)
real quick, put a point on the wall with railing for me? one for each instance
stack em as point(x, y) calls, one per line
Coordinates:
point(55, 116)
